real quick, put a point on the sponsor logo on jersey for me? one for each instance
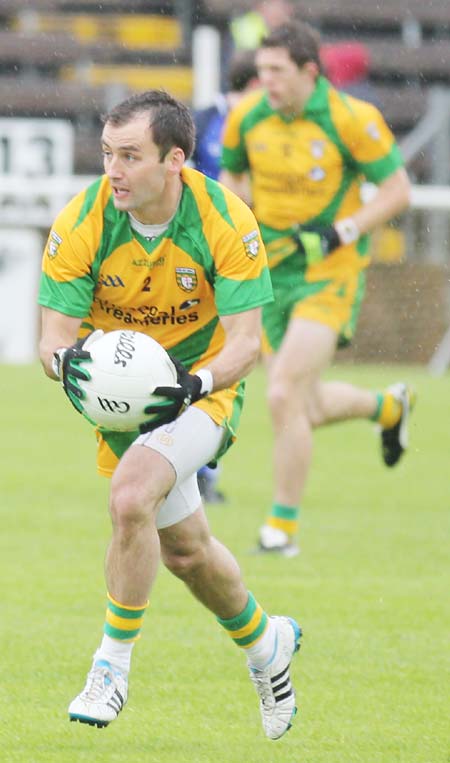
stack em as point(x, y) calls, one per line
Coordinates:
point(147, 315)
point(186, 278)
point(251, 244)
point(109, 280)
point(189, 303)
point(53, 244)
point(149, 264)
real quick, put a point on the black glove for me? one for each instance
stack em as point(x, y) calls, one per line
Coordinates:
point(68, 365)
point(177, 399)
point(316, 243)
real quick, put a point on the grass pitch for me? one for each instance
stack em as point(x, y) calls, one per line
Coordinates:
point(370, 589)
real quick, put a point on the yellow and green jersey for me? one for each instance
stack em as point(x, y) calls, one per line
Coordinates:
point(210, 262)
point(308, 169)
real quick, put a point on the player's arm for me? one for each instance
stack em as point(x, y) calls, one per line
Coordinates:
point(57, 331)
point(392, 198)
point(241, 349)
point(239, 183)
point(373, 148)
point(63, 357)
point(237, 357)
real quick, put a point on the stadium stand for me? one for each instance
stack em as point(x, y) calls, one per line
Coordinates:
point(75, 59)
point(136, 31)
point(408, 43)
point(386, 17)
point(361, 16)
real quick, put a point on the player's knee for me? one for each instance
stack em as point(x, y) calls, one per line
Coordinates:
point(129, 506)
point(277, 396)
point(316, 409)
point(284, 399)
point(184, 561)
point(315, 415)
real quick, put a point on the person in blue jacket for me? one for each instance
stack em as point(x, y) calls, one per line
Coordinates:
point(242, 77)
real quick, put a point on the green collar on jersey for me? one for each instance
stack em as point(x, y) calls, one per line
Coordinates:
point(316, 103)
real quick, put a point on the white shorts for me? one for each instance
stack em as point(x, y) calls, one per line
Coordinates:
point(188, 443)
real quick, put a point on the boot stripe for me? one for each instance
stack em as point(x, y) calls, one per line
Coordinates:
point(119, 696)
point(282, 689)
point(282, 673)
point(281, 685)
point(284, 696)
point(116, 702)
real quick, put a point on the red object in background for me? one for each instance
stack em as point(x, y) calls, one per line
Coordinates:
point(345, 62)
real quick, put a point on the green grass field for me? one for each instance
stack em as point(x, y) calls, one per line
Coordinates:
point(370, 588)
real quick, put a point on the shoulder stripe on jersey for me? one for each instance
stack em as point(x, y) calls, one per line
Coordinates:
point(190, 237)
point(380, 169)
point(217, 197)
point(259, 111)
point(90, 196)
point(72, 297)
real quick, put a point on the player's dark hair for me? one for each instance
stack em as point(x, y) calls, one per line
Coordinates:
point(170, 120)
point(300, 40)
point(242, 70)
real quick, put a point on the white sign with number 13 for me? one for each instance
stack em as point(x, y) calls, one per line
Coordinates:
point(36, 147)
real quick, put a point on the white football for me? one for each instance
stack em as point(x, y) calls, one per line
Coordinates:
point(125, 369)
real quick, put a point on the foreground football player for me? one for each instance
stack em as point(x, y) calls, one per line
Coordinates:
point(305, 148)
point(160, 248)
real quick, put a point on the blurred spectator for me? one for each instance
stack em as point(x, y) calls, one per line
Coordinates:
point(248, 29)
point(347, 66)
point(242, 77)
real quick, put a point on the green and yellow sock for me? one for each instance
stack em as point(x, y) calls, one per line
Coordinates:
point(388, 410)
point(284, 518)
point(122, 622)
point(252, 630)
point(248, 627)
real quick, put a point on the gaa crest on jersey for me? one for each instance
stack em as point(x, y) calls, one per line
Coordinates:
point(251, 244)
point(53, 244)
point(186, 278)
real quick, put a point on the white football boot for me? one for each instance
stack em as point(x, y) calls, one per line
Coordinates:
point(272, 540)
point(102, 698)
point(273, 683)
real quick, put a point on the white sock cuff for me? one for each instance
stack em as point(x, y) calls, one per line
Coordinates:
point(118, 653)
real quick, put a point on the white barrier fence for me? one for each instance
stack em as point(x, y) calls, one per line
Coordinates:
point(35, 201)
